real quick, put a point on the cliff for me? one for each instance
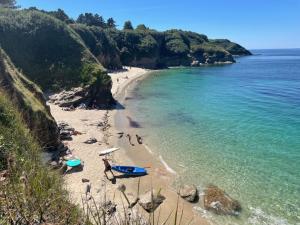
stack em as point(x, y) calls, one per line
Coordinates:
point(45, 49)
point(53, 52)
point(151, 49)
point(29, 100)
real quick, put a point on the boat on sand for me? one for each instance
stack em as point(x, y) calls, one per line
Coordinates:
point(130, 170)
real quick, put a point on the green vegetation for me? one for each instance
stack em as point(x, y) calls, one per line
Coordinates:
point(51, 48)
point(128, 25)
point(91, 20)
point(111, 23)
point(30, 193)
point(29, 100)
point(100, 44)
point(46, 49)
point(141, 27)
point(231, 47)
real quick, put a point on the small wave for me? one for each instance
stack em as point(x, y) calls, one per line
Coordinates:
point(166, 165)
point(204, 213)
point(148, 149)
point(258, 217)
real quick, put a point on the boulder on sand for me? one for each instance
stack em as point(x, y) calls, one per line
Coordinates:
point(151, 200)
point(69, 98)
point(90, 96)
point(189, 193)
point(219, 202)
point(85, 180)
point(65, 131)
point(90, 141)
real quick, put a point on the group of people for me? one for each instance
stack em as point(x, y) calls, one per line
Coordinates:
point(139, 139)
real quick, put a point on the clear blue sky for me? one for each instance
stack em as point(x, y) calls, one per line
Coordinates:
point(252, 23)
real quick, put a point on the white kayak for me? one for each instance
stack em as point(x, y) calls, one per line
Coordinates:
point(108, 151)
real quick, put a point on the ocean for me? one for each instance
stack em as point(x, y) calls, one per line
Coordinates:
point(235, 126)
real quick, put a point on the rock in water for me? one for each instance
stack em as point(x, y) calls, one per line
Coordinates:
point(189, 193)
point(151, 200)
point(219, 202)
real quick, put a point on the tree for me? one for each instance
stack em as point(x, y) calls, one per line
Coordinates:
point(8, 3)
point(128, 25)
point(111, 23)
point(142, 27)
point(61, 15)
point(91, 20)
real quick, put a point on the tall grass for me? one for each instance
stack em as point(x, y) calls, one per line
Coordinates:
point(99, 212)
point(29, 193)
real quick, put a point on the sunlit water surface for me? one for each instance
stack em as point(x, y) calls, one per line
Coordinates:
point(236, 126)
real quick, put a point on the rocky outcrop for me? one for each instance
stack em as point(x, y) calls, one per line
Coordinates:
point(93, 96)
point(30, 101)
point(151, 200)
point(189, 193)
point(217, 201)
point(65, 131)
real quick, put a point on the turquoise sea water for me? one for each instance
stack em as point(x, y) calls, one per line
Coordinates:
point(236, 126)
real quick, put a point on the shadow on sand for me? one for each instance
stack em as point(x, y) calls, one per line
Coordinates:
point(123, 176)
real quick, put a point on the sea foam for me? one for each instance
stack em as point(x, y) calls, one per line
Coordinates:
point(258, 217)
point(168, 168)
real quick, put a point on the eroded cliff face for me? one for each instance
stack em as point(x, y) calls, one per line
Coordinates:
point(29, 100)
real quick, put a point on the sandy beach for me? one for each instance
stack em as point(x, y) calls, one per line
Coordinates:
point(105, 126)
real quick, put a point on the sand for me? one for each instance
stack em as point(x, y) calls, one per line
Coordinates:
point(87, 122)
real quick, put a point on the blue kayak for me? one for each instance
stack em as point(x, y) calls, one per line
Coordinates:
point(130, 170)
point(73, 162)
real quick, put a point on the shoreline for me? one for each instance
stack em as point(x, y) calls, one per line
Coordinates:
point(159, 176)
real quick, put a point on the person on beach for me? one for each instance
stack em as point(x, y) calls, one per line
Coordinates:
point(107, 168)
point(121, 134)
point(129, 139)
point(139, 139)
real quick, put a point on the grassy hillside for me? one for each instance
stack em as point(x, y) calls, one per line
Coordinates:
point(231, 47)
point(143, 47)
point(53, 52)
point(29, 100)
point(29, 193)
point(46, 49)
point(100, 44)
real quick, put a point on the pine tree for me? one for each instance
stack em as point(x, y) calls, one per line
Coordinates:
point(111, 23)
point(128, 25)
